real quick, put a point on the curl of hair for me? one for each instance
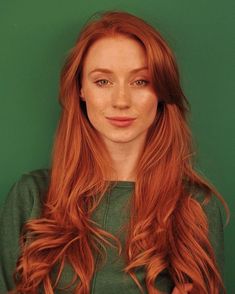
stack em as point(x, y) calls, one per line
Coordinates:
point(65, 232)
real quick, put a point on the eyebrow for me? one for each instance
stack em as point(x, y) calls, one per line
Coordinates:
point(106, 70)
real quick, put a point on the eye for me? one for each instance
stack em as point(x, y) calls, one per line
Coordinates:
point(141, 82)
point(101, 83)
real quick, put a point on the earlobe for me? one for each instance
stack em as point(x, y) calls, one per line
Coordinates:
point(82, 95)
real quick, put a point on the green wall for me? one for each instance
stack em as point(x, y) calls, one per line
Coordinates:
point(35, 37)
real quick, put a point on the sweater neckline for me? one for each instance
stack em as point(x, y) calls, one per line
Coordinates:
point(122, 184)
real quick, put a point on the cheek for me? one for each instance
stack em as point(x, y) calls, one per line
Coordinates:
point(149, 107)
point(95, 102)
point(94, 109)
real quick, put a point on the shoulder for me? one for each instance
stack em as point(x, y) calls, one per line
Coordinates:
point(38, 178)
point(26, 195)
point(33, 181)
point(31, 184)
point(212, 206)
point(213, 212)
point(36, 181)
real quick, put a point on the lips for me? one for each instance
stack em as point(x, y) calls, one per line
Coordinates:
point(121, 121)
point(121, 118)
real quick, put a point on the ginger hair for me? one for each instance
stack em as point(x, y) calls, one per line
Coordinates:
point(168, 228)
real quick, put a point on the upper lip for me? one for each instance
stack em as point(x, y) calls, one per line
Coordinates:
point(120, 118)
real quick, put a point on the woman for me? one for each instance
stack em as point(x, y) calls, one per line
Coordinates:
point(120, 210)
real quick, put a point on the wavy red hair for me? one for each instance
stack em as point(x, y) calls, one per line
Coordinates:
point(162, 200)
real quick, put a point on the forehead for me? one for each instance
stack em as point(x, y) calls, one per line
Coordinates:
point(119, 52)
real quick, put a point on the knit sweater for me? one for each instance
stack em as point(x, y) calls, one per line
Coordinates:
point(24, 202)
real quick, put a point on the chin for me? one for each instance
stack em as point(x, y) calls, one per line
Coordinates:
point(120, 139)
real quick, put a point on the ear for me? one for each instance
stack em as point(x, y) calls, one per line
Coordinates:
point(82, 94)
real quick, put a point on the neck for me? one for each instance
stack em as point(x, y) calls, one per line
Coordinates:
point(125, 157)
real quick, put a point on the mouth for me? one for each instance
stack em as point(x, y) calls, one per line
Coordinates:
point(121, 118)
point(123, 121)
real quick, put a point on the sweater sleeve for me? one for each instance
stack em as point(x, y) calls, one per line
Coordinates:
point(216, 231)
point(21, 204)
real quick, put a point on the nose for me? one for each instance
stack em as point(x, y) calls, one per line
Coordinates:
point(121, 97)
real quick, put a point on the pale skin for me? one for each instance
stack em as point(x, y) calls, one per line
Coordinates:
point(126, 90)
point(120, 93)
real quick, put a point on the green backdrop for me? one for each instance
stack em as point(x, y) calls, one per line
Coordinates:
point(35, 38)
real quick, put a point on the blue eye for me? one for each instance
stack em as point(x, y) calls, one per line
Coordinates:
point(100, 84)
point(104, 82)
point(144, 82)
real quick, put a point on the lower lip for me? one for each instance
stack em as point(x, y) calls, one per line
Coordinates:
point(121, 123)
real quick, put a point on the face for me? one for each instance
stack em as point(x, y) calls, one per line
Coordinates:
point(116, 83)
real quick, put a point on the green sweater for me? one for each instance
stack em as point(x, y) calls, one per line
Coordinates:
point(23, 202)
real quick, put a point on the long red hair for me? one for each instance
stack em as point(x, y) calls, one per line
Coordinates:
point(162, 203)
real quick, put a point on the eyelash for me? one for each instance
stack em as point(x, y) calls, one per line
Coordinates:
point(97, 82)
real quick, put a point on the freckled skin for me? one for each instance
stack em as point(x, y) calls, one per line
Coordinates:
point(120, 93)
